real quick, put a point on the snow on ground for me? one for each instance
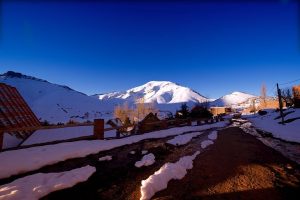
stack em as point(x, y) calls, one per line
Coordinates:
point(105, 158)
point(10, 141)
point(213, 135)
point(42, 136)
point(35, 186)
point(144, 152)
point(159, 180)
point(287, 149)
point(132, 152)
point(147, 160)
point(206, 143)
point(183, 139)
point(268, 123)
point(50, 135)
point(24, 160)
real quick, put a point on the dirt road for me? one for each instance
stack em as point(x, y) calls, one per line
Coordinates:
point(237, 166)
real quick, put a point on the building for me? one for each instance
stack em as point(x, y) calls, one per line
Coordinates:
point(149, 123)
point(218, 110)
point(296, 94)
point(14, 111)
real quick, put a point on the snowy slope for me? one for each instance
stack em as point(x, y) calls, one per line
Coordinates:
point(55, 103)
point(232, 99)
point(157, 92)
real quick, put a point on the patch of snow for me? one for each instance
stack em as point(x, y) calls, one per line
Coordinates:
point(183, 139)
point(144, 152)
point(213, 135)
point(159, 180)
point(24, 160)
point(105, 158)
point(10, 141)
point(147, 160)
point(194, 123)
point(35, 186)
point(132, 152)
point(206, 143)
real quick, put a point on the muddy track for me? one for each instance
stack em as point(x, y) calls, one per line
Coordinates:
point(237, 166)
point(119, 178)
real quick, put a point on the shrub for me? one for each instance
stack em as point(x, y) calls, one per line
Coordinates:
point(200, 112)
point(262, 112)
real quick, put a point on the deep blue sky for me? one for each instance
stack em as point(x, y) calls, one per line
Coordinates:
point(96, 47)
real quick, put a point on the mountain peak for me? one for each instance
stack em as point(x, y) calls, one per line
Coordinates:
point(233, 98)
point(161, 92)
point(12, 74)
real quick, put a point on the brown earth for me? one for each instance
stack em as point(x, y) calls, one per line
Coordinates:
point(237, 166)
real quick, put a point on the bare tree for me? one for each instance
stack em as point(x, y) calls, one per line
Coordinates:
point(287, 97)
point(253, 106)
point(263, 96)
point(122, 112)
point(139, 112)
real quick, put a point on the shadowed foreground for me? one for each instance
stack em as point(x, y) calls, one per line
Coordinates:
point(237, 166)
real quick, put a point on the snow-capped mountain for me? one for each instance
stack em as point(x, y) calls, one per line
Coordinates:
point(157, 92)
point(233, 99)
point(55, 103)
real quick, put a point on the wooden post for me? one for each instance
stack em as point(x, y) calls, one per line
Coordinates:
point(189, 122)
point(99, 129)
point(1, 139)
point(164, 124)
point(280, 104)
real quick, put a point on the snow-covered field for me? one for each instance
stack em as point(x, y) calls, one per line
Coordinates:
point(24, 160)
point(35, 186)
point(289, 131)
point(159, 180)
point(43, 136)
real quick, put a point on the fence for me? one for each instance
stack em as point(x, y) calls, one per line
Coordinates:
point(99, 130)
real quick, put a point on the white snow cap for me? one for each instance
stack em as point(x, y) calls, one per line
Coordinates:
point(38, 185)
point(159, 180)
point(147, 160)
point(161, 92)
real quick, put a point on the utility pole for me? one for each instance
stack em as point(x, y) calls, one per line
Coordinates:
point(280, 104)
